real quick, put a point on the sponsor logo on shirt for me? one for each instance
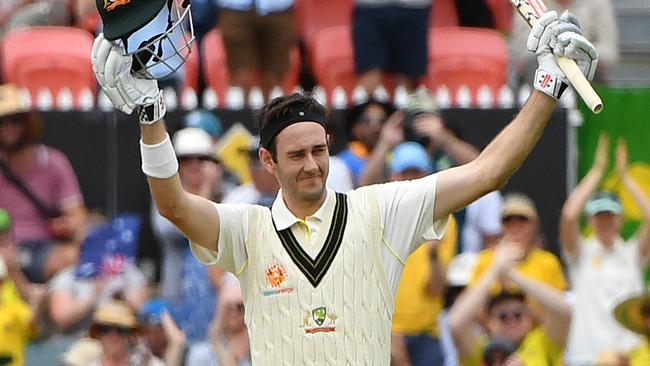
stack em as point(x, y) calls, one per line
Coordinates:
point(320, 320)
point(276, 274)
point(111, 5)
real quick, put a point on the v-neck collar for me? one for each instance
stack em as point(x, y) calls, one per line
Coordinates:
point(315, 269)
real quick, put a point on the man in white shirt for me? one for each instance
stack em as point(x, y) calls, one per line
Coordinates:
point(319, 269)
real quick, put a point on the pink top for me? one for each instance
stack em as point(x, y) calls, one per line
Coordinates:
point(52, 179)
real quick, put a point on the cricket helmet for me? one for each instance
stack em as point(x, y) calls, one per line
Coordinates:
point(157, 33)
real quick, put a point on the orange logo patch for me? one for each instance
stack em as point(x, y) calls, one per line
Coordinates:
point(275, 275)
point(110, 5)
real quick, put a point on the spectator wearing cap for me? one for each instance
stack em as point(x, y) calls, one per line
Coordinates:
point(634, 314)
point(184, 279)
point(521, 227)
point(165, 340)
point(39, 190)
point(509, 318)
point(364, 125)
point(116, 327)
point(603, 267)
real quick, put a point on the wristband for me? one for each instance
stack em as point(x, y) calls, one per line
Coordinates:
point(549, 84)
point(154, 112)
point(159, 160)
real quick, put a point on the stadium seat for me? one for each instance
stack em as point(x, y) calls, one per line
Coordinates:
point(215, 65)
point(191, 66)
point(466, 56)
point(48, 57)
point(333, 59)
point(502, 13)
point(443, 13)
point(315, 15)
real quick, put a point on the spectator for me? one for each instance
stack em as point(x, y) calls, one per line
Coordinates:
point(419, 297)
point(262, 189)
point(258, 36)
point(39, 190)
point(83, 352)
point(16, 14)
point(598, 22)
point(364, 125)
point(15, 321)
point(512, 336)
point(474, 13)
point(228, 342)
point(634, 315)
point(390, 36)
point(29, 292)
point(184, 279)
point(604, 268)
point(161, 334)
point(521, 228)
point(115, 326)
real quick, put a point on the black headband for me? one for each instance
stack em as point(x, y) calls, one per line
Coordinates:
point(274, 127)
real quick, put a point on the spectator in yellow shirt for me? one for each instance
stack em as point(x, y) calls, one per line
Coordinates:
point(508, 317)
point(521, 227)
point(15, 321)
point(634, 314)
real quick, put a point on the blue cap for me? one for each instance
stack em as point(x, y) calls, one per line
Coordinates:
point(152, 310)
point(603, 202)
point(204, 120)
point(409, 155)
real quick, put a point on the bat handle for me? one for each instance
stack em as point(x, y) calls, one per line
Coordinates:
point(580, 83)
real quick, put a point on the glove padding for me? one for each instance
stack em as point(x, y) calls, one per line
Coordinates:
point(123, 88)
point(559, 36)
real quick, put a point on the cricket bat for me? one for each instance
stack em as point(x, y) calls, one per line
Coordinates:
point(531, 10)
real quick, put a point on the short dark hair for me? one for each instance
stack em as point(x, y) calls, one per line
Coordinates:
point(504, 296)
point(282, 106)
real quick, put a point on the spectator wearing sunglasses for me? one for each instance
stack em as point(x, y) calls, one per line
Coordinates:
point(604, 267)
point(520, 225)
point(364, 123)
point(507, 316)
point(116, 327)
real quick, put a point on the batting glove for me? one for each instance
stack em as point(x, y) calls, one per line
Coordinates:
point(126, 90)
point(559, 36)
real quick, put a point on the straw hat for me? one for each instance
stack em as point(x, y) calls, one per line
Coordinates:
point(83, 352)
point(629, 313)
point(11, 104)
point(116, 313)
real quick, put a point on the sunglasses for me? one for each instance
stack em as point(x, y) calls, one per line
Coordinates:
point(368, 120)
point(105, 329)
point(506, 316)
point(512, 218)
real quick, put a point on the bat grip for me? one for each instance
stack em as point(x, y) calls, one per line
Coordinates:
point(580, 83)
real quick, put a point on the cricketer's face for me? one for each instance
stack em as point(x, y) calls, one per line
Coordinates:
point(302, 161)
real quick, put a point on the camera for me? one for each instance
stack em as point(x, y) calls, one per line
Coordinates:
point(419, 102)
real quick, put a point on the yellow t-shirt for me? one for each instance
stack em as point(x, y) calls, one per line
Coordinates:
point(15, 316)
point(536, 349)
point(539, 265)
point(416, 311)
point(640, 355)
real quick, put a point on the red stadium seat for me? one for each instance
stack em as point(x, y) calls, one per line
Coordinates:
point(502, 13)
point(191, 66)
point(48, 57)
point(315, 15)
point(215, 65)
point(466, 56)
point(443, 13)
point(333, 59)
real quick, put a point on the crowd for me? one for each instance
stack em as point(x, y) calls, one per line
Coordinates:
point(487, 293)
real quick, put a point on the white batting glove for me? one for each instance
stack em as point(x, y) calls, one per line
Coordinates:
point(559, 36)
point(126, 90)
